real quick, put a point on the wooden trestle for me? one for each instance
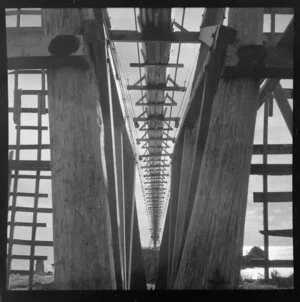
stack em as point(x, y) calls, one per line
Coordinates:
point(96, 236)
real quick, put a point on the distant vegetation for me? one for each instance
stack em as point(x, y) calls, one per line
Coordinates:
point(150, 256)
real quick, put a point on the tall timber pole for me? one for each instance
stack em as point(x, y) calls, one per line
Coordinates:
point(213, 248)
point(82, 229)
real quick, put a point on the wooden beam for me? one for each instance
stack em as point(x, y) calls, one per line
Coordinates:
point(279, 233)
point(176, 168)
point(129, 187)
point(279, 10)
point(156, 87)
point(30, 176)
point(26, 257)
point(219, 211)
point(271, 169)
point(273, 197)
point(27, 48)
point(77, 168)
point(35, 243)
point(30, 210)
point(261, 61)
point(152, 64)
point(284, 107)
point(274, 149)
point(271, 263)
point(25, 194)
point(134, 36)
point(29, 147)
point(29, 165)
point(199, 111)
point(29, 224)
point(175, 37)
point(182, 204)
point(23, 12)
point(138, 277)
point(156, 104)
point(155, 139)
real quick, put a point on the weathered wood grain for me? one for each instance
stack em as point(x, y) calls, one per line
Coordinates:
point(215, 236)
point(182, 199)
point(82, 230)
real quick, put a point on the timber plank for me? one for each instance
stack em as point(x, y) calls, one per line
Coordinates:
point(27, 257)
point(29, 224)
point(271, 169)
point(25, 194)
point(30, 165)
point(270, 263)
point(278, 233)
point(27, 209)
point(274, 149)
point(30, 242)
point(273, 197)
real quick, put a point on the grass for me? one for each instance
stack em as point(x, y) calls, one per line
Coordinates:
point(275, 282)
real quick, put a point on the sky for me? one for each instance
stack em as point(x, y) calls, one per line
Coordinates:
point(280, 214)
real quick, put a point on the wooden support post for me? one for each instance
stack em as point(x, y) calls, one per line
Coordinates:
point(15, 189)
point(129, 187)
point(173, 202)
point(162, 274)
point(265, 191)
point(211, 256)
point(182, 201)
point(138, 277)
point(119, 163)
point(107, 106)
point(201, 114)
point(37, 188)
point(81, 220)
point(284, 107)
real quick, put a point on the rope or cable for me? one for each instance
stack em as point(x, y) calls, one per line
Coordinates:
point(138, 51)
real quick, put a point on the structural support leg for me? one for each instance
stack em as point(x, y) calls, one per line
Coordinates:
point(175, 181)
point(82, 232)
point(161, 281)
point(182, 199)
point(129, 187)
point(138, 277)
point(211, 256)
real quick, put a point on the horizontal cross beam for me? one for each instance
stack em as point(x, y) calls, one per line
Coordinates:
point(155, 155)
point(153, 104)
point(156, 174)
point(156, 118)
point(27, 48)
point(156, 166)
point(155, 129)
point(273, 197)
point(273, 149)
point(260, 61)
point(279, 233)
point(148, 64)
point(271, 169)
point(155, 182)
point(174, 37)
point(29, 165)
point(135, 36)
point(156, 87)
point(155, 139)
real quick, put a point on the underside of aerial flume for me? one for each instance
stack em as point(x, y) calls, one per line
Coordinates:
point(191, 146)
